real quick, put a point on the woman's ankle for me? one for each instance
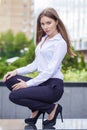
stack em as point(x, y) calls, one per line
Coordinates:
point(51, 115)
point(33, 114)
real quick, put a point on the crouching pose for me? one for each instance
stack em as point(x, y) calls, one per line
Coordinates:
point(40, 93)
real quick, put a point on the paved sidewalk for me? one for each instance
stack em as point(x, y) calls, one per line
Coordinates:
point(18, 124)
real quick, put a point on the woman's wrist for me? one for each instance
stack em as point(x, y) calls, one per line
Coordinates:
point(15, 71)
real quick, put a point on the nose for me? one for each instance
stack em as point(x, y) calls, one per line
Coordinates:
point(45, 27)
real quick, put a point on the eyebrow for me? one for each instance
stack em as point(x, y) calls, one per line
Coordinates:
point(46, 22)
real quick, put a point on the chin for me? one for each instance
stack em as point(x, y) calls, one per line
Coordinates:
point(48, 34)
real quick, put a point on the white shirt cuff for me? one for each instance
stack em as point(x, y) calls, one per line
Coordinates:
point(30, 83)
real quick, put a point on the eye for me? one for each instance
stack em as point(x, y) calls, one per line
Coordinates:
point(42, 24)
point(48, 22)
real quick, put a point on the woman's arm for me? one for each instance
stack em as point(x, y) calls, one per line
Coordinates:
point(52, 67)
point(27, 69)
point(23, 70)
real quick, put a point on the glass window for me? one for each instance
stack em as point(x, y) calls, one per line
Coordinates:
point(25, 1)
point(24, 29)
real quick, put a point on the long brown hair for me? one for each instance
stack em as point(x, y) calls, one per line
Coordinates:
point(51, 13)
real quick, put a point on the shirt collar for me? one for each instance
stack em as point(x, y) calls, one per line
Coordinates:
point(56, 37)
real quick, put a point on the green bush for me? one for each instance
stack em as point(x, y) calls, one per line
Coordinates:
point(74, 69)
point(20, 62)
point(10, 68)
point(27, 58)
point(75, 75)
point(30, 55)
point(77, 62)
point(3, 69)
point(11, 45)
point(6, 44)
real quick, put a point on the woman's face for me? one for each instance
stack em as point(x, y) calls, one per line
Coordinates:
point(49, 25)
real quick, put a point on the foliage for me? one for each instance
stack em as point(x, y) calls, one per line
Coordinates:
point(20, 42)
point(20, 62)
point(27, 58)
point(10, 45)
point(82, 63)
point(3, 69)
point(74, 75)
point(74, 69)
point(30, 55)
point(6, 46)
point(77, 62)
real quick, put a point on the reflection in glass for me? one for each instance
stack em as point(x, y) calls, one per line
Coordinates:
point(49, 128)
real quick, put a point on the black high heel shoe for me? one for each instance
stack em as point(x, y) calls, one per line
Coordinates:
point(34, 120)
point(53, 121)
point(30, 127)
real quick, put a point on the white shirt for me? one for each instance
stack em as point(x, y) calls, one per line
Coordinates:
point(48, 60)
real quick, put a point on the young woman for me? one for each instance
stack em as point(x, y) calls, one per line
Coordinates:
point(40, 93)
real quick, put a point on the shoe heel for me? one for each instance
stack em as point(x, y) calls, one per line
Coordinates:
point(43, 119)
point(61, 116)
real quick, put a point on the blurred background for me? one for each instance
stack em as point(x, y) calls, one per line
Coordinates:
point(18, 29)
point(17, 46)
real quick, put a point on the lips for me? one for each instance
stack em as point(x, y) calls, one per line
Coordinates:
point(47, 31)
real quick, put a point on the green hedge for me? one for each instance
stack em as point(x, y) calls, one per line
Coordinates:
point(74, 69)
point(74, 75)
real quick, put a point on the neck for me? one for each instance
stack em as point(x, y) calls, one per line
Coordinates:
point(53, 34)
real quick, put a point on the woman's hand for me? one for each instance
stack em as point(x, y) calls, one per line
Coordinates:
point(9, 75)
point(21, 84)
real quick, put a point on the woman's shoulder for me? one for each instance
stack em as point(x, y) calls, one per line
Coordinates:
point(59, 40)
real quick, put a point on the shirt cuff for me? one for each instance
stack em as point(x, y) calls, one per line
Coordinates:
point(30, 83)
point(18, 71)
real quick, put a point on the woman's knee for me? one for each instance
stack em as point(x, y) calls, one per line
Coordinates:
point(10, 82)
point(16, 95)
point(13, 97)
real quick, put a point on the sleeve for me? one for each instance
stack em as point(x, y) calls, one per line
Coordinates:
point(27, 69)
point(52, 67)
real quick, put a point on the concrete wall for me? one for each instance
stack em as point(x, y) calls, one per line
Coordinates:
point(74, 102)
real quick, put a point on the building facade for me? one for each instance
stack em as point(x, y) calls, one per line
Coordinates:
point(17, 15)
point(74, 15)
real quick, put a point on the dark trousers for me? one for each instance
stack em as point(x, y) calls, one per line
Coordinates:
point(41, 97)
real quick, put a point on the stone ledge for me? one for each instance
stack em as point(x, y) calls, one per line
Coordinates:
point(66, 84)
